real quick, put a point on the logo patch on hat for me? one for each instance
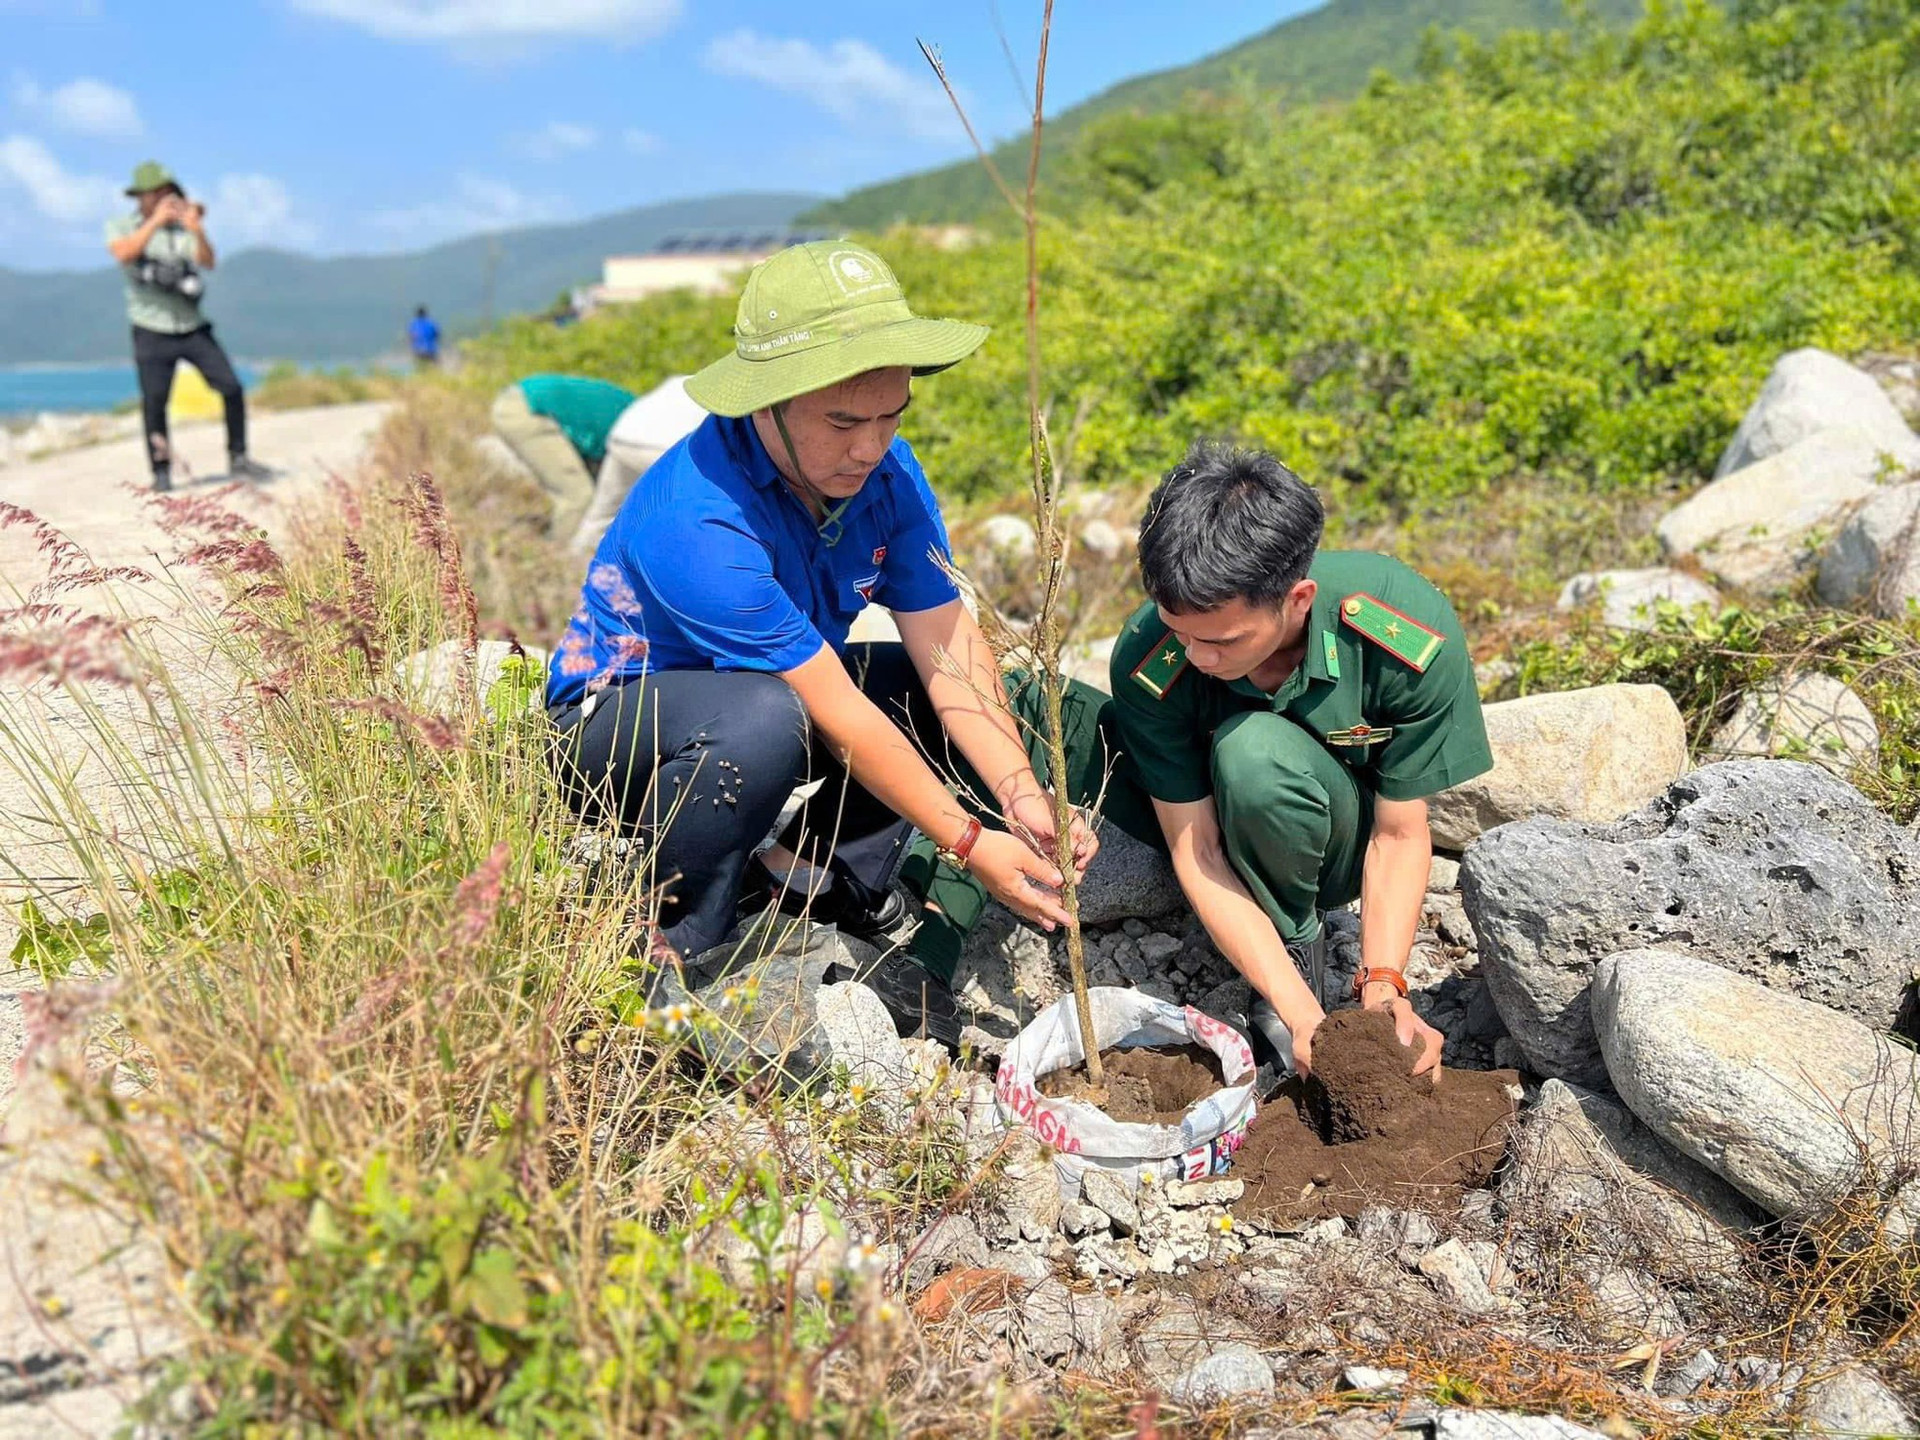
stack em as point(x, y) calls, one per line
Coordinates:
point(857, 273)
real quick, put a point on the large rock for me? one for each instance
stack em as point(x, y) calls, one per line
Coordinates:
point(1875, 558)
point(506, 678)
point(1809, 391)
point(1788, 1101)
point(1771, 868)
point(1088, 662)
point(1009, 536)
point(1582, 1164)
point(1753, 529)
point(776, 1000)
point(1627, 598)
point(1498, 1425)
point(1128, 880)
point(1591, 754)
point(1808, 716)
point(1853, 1402)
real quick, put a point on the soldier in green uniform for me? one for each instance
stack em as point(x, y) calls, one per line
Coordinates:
point(1289, 714)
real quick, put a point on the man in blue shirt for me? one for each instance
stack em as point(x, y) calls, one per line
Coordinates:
point(706, 673)
point(423, 335)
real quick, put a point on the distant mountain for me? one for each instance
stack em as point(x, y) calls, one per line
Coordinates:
point(271, 304)
point(1325, 54)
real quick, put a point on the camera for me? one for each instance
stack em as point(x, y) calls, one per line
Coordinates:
point(175, 275)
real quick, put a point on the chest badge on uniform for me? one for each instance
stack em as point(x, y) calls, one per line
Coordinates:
point(1400, 635)
point(1361, 734)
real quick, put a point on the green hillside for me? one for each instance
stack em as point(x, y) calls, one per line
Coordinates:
point(271, 304)
point(1560, 264)
point(1326, 54)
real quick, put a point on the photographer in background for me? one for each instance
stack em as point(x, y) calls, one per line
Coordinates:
point(163, 249)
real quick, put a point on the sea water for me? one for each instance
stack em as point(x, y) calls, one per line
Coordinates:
point(28, 389)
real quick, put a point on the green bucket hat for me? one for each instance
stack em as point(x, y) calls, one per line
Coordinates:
point(150, 175)
point(816, 314)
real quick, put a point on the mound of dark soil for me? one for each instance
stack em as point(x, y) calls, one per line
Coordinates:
point(1363, 1130)
point(1144, 1086)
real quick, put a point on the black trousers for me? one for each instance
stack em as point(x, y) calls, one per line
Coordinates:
point(155, 356)
point(700, 763)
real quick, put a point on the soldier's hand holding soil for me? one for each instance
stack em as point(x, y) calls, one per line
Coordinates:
point(1408, 1027)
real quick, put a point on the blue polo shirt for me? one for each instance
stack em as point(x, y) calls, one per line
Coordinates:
point(714, 564)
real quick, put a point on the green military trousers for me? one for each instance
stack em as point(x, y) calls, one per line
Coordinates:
point(1096, 771)
point(1294, 819)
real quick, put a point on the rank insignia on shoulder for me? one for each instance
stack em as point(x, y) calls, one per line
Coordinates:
point(1401, 636)
point(1165, 663)
point(1361, 734)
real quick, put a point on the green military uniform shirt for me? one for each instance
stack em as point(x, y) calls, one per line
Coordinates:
point(151, 307)
point(1386, 685)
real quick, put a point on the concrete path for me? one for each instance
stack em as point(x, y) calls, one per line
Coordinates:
point(77, 1328)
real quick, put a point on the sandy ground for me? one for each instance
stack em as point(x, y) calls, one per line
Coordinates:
point(74, 1332)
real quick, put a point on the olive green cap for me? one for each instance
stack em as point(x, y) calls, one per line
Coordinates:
point(816, 314)
point(150, 175)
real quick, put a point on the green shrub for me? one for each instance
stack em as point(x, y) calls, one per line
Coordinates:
point(1564, 260)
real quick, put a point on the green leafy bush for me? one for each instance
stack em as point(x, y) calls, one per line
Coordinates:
point(1563, 260)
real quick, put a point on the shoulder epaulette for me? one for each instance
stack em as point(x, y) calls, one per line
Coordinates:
point(1401, 636)
point(1165, 663)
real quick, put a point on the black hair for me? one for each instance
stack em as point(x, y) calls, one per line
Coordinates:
point(1227, 524)
point(419, 310)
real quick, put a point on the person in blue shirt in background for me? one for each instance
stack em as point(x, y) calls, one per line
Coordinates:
point(423, 335)
point(707, 674)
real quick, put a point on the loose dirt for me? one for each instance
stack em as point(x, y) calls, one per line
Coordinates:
point(1363, 1130)
point(1144, 1086)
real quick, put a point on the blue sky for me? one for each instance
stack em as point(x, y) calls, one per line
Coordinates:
point(340, 126)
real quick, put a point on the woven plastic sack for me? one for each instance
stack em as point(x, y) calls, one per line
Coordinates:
point(1081, 1135)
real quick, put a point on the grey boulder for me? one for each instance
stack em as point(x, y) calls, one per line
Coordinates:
point(1627, 598)
point(1754, 527)
point(506, 678)
point(1789, 1102)
point(1232, 1372)
point(1874, 559)
point(764, 1002)
point(1853, 1401)
point(1591, 754)
point(1808, 716)
point(1494, 1425)
point(1583, 1164)
point(1773, 869)
point(1808, 391)
point(1128, 880)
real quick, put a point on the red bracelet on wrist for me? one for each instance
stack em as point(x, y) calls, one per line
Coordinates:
point(1366, 976)
point(961, 850)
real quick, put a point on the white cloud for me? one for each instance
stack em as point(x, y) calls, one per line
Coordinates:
point(256, 210)
point(555, 139)
point(477, 204)
point(641, 142)
point(462, 22)
point(849, 79)
point(82, 107)
point(54, 191)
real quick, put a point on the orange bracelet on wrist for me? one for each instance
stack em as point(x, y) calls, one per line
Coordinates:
point(1366, 976)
